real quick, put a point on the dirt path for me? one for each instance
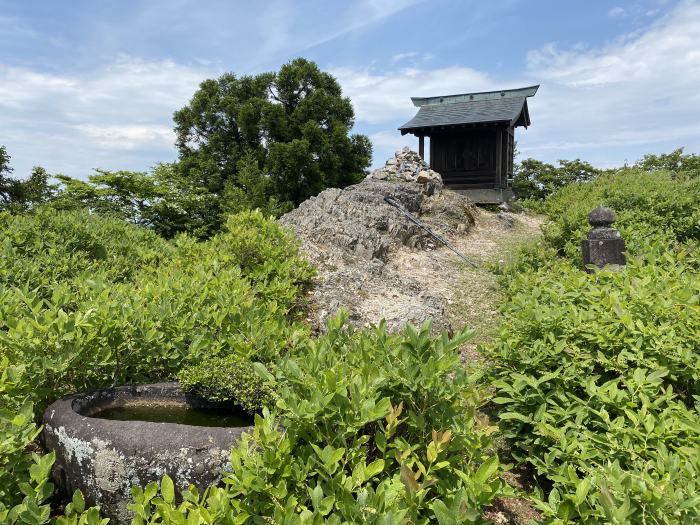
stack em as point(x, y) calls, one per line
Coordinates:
point(470, 295)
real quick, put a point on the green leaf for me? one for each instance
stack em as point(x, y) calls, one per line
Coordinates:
point(582, 490)
point(487, 469)
point(150, 491)
point(167, 489)
point(443, 514)
point(78, 502)
point(263, 373)
point(374, 468)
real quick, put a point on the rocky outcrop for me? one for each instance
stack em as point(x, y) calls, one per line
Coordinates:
point(351, 234)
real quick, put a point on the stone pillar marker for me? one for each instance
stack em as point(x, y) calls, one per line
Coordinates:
point(603, 244)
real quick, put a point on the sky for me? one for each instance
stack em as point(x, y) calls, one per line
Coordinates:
point(87, 84)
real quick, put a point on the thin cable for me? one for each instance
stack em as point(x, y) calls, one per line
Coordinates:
point(397, 205)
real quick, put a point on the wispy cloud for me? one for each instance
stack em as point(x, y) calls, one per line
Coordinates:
point(120, 113)
point(411, 56)
point(640, 89)
point(385, 96)
point(284, 28)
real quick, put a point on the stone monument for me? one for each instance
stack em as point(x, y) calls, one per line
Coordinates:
point(603, 244)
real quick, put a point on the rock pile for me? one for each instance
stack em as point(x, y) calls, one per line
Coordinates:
point(407, 166)
point(351, 234)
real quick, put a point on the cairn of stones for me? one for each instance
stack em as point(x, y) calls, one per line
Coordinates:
point(407, 166)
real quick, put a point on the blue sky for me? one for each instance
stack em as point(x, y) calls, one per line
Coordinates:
point(87, 84)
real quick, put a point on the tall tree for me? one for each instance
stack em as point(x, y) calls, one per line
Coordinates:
point(676, 162)
point(276, 138)
point(19, 195)
point(535, 179)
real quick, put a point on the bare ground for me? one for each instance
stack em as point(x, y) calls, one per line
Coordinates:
point(470, 295)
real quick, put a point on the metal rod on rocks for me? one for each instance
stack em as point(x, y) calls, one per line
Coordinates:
point(397, 205)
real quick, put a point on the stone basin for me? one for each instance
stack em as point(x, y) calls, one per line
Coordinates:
point(104, 457)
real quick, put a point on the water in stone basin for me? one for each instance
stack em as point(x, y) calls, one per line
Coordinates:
point(182, 415)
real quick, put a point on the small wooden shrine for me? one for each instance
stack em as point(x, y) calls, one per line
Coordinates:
point(472, 139)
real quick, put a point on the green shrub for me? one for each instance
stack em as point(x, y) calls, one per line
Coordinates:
point(228, 378)
point(17, 431)
point(598, 374)
point(87, 302)
point(658, 204)
point(93, 329)
point(266, 254)
point(369, 428)
point(25, 489)
point(45, 248)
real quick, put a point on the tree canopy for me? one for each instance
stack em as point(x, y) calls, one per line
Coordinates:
point(534, 179)
point(676, 162)
point(21, 195)
point(268, 141)
point(273, 139)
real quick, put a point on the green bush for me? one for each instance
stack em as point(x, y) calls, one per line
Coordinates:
point(87, 302)
point(98, 329)
point(658, 204)
point(17, 431)
point(25, 489)
point(48, 248)
point(229, 378)
point(368, 428)
point(598, 374)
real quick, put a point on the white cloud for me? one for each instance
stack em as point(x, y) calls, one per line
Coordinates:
point(390, 141)
point(384, 96)
point(669, 47)
point(616, 12)
point(638, 93)
point(73, 123)
point(128, 137)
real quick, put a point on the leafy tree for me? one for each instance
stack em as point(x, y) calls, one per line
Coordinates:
point(535, 179)
point(268, 141)
point(273, 139)
point(252, 190)
point(162, 200)
point(675, 162)
point(19, 195)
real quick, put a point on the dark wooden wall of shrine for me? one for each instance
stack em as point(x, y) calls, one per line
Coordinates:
point(473, 158)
